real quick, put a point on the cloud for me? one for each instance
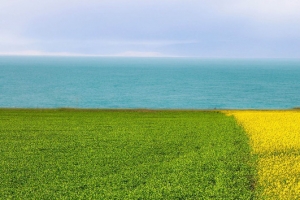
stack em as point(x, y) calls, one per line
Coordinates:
point(9, 41)
point(123, 54)
point(7, 38)
point(139, 54)
point(154, 28)
point(41, 53)
point(261, 10)
point(156, 43)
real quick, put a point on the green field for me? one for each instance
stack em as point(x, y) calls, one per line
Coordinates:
point(123, 154)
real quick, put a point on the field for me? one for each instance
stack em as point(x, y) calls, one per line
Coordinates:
point(124, 154)
point(275, 140)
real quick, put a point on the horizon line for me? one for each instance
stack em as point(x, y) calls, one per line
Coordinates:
point(124, 55)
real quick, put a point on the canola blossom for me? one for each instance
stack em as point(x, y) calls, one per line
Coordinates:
point(275, 139)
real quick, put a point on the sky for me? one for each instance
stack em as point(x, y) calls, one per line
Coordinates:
point(197, 28)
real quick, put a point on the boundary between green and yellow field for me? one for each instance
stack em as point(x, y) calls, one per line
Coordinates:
point(275, 140)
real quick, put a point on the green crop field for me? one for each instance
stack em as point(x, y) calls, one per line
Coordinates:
point(123, 154)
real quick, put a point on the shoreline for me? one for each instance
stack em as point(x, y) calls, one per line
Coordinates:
point(153, 109)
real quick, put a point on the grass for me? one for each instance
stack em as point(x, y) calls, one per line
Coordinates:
point(123, 154)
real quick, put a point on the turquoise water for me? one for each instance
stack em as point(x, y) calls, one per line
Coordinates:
point(90, 82)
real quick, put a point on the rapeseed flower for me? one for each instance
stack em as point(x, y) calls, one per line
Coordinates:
point(275, 139)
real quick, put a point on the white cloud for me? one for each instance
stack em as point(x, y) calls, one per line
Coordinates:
point(143, 42)
point(145, 28)
point(10, 41)
point(8, 38)
point(258, 9)
point(41, 53)
point(22, 53)
point(139, 54)
point(38, 53)
point(264, 10)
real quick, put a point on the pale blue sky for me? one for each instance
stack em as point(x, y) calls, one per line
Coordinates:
point(202, 28)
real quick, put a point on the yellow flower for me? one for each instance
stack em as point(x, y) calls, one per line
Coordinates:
point(275, 138)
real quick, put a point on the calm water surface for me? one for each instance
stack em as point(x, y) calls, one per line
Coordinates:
point(90, 82)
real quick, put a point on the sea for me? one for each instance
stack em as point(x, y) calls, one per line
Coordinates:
point(150, 83)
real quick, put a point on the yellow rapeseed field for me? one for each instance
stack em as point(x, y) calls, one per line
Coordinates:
point(275, 139)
